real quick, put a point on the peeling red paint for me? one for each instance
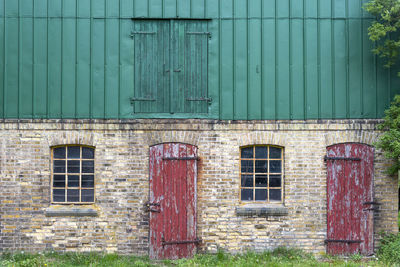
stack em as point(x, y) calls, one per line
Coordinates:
point(349, 189)
point(173, 177)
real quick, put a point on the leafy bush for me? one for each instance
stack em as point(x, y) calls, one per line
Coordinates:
point(389, 141)
point(389, 250)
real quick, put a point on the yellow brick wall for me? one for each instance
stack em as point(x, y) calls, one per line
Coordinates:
point(122, 175)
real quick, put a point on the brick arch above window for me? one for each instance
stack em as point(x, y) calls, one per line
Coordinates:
point(262, 173)
point(262, 137)
point(71, 138)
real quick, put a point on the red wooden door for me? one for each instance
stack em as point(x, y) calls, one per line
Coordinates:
point(350, 199)
point(172, 205)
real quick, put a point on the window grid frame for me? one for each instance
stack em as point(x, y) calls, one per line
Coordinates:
point(254, 173)
point(66, 173)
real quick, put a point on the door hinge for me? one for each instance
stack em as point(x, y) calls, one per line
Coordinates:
point(200, 33)
point(207, 99)
point(133, 33)
point(326, 158)
point(182, 158)
point(342, 241)
point(196, 241)
point(149, 204)
point(133, 99)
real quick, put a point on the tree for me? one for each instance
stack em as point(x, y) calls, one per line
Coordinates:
point(384, 32)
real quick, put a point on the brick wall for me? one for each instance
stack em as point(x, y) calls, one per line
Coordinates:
point(121, 223)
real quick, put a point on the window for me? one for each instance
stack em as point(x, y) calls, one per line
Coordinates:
point(170, 66)
point(72, 174)
point(261, 172)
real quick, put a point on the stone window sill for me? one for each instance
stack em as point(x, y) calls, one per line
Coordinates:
point(262, 210)
point(72, 211)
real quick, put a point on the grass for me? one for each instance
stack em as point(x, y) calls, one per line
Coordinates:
point(278, 257)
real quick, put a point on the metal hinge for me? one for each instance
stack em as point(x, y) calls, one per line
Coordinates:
point(133, 33)
point(163, 242)
point(326, 158)
point(133, 99)
point(149, 204)
point(342, 241)
point(207, 99)
point(200, 33)
point(182, 158)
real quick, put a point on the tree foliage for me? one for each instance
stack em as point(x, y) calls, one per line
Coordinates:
point(384, 30)
point(389, 141)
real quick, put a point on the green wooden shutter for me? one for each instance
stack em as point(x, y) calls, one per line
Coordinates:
point(190, 55)
point(151, 80)
point(196, 67)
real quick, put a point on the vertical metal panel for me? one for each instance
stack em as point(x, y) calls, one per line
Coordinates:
point(156, 8)
point(369, 76)
point(98, 67)
point(226, 69)
point(83, 65)
point(112, 68)
point(355, 67)
point(240, 78)
point(311, 60)
point(26, 68)
point(269, 70)
point(3, 55)
point(340, 67)
point(55, 65)
point(254, 60)
point(140, 8)
point(68, 85)
point(12, 57)
point(169, 8)
point(282, 88)
point(40, 66)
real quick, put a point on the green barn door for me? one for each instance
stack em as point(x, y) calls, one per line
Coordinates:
point(171, 58)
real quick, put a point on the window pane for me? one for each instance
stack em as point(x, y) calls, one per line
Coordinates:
point(247, 180)
point(73, 166)
point(261, 152)
point(87, 166)
point(261, 180)
point(247, 194)
point(59, 166)
point(87, 195)
point(74, 152)
point(73, 180)
point(275, 194)
point(247, 153)
point(59, 195)
point(59, 180)
point(261, 166)
point(275, 181)
point(87, 153)
point(275, 166)
point(59, 153)
point(261, 194)
point(275, 152)
point(247, 166)
point(87, 181)
point(73, 195)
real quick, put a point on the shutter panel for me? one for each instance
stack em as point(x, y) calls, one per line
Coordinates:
point(189, 54)
point(196, 70)
point(151, 80)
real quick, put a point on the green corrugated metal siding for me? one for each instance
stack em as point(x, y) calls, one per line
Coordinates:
point(267, 59)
